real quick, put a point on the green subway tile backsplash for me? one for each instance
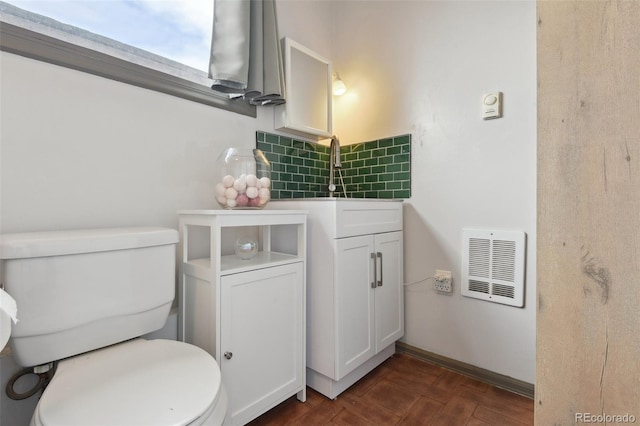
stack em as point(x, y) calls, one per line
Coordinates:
point(375, 169)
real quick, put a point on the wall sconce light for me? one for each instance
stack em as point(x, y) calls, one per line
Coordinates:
point(338, 85)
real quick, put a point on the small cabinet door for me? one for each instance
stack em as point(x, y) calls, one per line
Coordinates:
point(389, 289)
point(354, 303)
point(261, 337)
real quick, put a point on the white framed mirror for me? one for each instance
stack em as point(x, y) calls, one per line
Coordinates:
point(307, 111)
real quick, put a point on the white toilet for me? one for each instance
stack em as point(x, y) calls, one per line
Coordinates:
point(81, 296)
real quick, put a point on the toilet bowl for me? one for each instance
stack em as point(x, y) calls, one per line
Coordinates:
point(140, 382)
point(84, 299)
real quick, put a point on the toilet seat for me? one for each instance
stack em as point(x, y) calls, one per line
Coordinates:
point(139, 382)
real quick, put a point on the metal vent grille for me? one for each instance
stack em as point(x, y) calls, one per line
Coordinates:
point(479, 251)
point(493, 266)
point(479, 286)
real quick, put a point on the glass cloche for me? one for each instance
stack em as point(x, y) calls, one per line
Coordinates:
point(244, 179)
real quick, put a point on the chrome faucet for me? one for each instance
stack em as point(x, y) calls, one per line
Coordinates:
point(334, 163)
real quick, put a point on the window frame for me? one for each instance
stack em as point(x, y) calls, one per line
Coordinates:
point(35, 45)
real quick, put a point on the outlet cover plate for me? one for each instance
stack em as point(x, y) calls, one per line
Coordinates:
point(443, 281)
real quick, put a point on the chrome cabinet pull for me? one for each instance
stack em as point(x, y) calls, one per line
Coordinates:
point(379, 254)
point(375, 270)
point(228, 355)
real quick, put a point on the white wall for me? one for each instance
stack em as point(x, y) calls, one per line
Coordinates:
point(84, 151)
point(421, 67)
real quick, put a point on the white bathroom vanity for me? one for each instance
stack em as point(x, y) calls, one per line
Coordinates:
point(355, 306)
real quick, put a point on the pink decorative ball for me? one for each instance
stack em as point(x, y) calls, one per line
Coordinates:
point(242, 200)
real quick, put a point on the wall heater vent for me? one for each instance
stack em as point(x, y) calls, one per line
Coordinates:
point(493, 266)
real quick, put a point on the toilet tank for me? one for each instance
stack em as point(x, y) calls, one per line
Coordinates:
point(81, 290)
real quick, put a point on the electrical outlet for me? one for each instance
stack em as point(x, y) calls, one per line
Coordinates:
point(443, 282)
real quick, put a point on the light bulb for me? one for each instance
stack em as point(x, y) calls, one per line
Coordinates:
point(338, 86)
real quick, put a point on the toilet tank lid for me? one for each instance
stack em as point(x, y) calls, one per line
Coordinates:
point(58, 243)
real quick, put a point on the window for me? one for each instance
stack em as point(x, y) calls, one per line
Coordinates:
point(161, 45)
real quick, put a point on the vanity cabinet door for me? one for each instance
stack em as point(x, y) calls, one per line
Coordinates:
point(355, 306)
point(261, 338)
point(389, 295)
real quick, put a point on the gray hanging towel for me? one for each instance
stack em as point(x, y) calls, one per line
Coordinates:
point(246, 58)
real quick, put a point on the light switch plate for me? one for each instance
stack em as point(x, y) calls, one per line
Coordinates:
point(491, 105)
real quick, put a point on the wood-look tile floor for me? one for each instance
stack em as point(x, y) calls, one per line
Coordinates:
point(407, 391)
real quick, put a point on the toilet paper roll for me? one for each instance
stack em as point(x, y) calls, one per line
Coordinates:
point(8, 313)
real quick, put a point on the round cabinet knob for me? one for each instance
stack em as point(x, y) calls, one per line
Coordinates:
point(228, 355)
